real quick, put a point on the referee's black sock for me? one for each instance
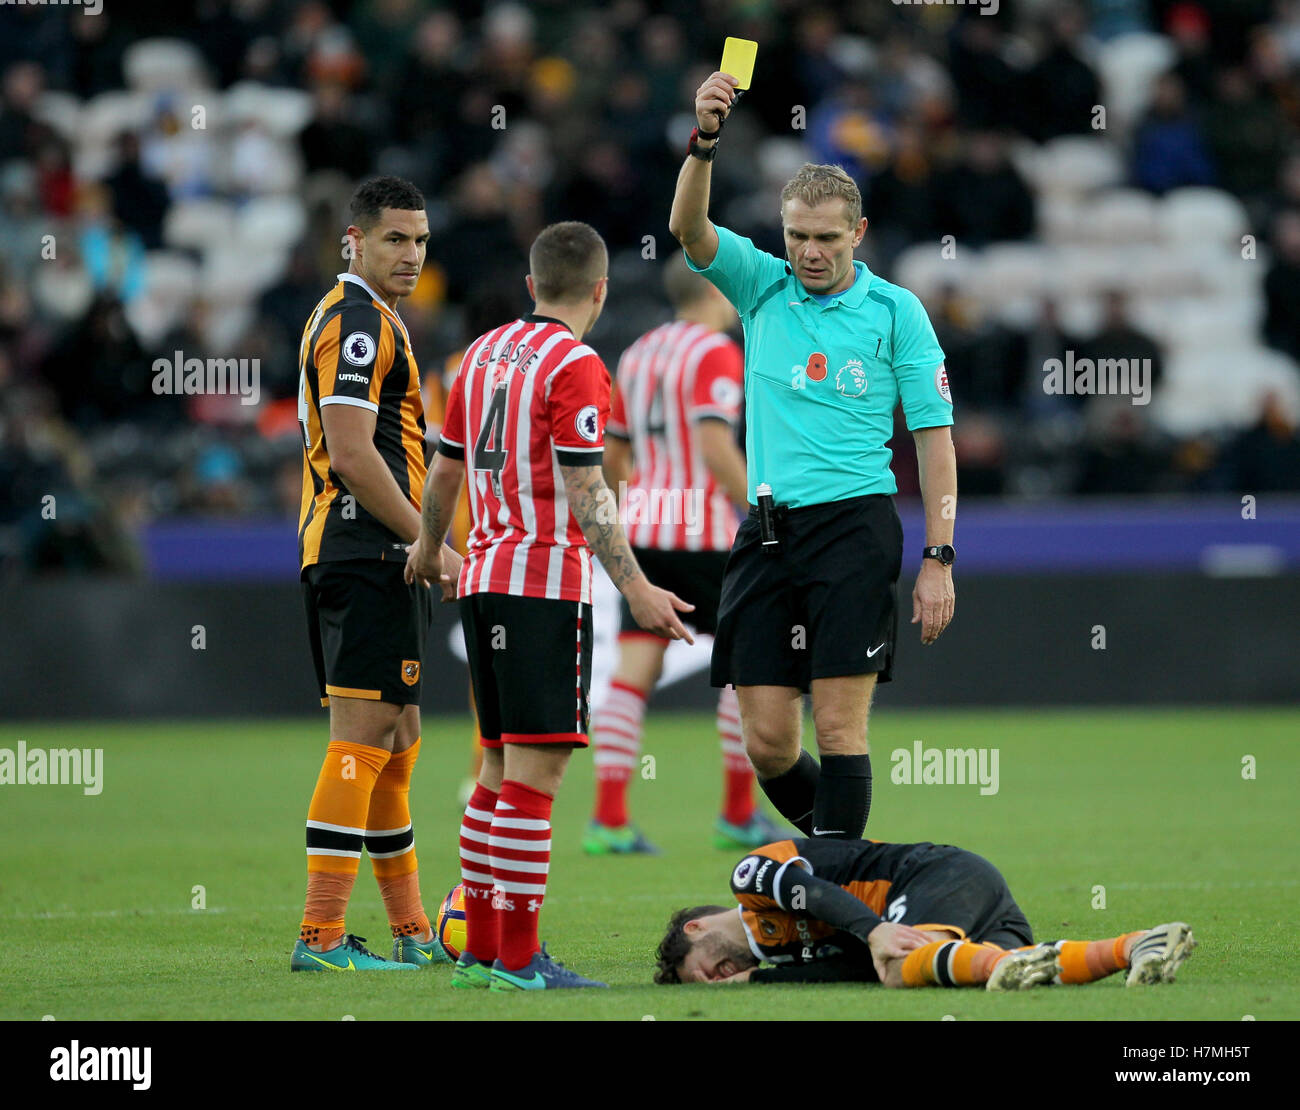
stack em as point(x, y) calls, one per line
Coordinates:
point(843, 797)
point(793, 792)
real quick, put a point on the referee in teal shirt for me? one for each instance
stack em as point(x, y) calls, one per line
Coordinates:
point(830, 349)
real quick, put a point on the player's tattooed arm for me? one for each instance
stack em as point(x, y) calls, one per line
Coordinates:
point(595, 508)
point(428, 557)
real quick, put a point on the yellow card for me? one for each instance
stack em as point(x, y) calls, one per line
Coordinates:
point(738, 60)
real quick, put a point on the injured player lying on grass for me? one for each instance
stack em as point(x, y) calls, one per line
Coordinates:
point(905, 915)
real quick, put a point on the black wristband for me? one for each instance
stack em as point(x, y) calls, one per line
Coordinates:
point(696, 151)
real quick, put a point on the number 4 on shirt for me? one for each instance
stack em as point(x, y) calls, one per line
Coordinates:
point(493, 459)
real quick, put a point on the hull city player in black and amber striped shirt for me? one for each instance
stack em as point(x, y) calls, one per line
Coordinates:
point(355, 351)
point(362, 424)
point(905, 915)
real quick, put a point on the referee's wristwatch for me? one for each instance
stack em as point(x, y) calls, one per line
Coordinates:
point(944, 552)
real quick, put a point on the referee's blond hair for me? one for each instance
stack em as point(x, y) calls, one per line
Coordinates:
point(815, 185)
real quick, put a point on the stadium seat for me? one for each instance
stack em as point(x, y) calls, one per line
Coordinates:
point(105, 116)
point(1128, 66)
point(271, 223)
point(1222, 388)
point(923, 270)
point(164, 65)
point(61, 111)
point(1203, 216)
point(1063, 219)
point(233, 274)
point(199, 223)
point(171, 283)
point(1121, 216)
point(1012, 280)
point(1076, 165)
point(284, 112)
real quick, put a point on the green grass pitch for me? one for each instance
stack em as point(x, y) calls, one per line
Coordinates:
point(96, 893)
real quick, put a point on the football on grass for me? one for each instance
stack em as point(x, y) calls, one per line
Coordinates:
point(451, 922)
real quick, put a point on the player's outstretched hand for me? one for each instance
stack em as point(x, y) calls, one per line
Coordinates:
point(933, 599)
point(451, 562)
point(656, 610)
point(889, 943)
point(713, 100)
point(423, 566)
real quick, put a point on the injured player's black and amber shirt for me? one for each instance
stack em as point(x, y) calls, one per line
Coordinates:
point(808, 905)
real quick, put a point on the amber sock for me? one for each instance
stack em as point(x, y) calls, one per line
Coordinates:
point(336, 828)
point(390, 843)
point(1085, 961)
point(951, 963)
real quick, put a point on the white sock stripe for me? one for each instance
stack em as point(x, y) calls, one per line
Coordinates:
point(333, 852)
point(388, 832)
point(519, 845)
point(626, 693)
point(336, 828)
point(478, 835)
point(391, 855)
point(617, 741)
point(476, 877)
point(521, 888)
point(528, 824)
point(483, 815)
point(603, 732)
point(503, 805)
point(475, 857)
point(632, 722)
point(614, 759)
point(528, 867)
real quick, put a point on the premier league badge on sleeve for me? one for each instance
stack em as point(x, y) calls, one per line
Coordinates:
point(359, 349)
point(587, 423)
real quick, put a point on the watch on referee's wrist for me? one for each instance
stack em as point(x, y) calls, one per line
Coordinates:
point(704, 154)
point(943, 552)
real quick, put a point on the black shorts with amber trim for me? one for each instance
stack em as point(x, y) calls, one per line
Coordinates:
point(367, 629)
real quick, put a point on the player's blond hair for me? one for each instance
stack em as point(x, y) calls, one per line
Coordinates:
point(815, 185)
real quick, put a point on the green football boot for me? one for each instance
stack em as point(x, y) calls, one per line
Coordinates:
point(626, 840)
point(754, 833)
point(351, 955)
point(469, 974)
point(408, 950)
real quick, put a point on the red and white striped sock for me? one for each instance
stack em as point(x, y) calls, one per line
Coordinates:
point(521, 858)
point(482, 931)
point(616, 737)
point(738, 799)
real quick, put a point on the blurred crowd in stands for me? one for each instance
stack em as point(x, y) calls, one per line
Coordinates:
point(1111, 178)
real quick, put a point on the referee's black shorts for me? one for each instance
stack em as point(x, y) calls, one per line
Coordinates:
point(367, 629)
point(943, 885)
point(694, 576)
point(823, 606)
point(530, 665)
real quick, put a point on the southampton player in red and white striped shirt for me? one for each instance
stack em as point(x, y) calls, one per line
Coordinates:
point(526, 421)
point(672, 452)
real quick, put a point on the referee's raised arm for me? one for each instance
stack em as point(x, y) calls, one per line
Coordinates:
point(689, 221)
